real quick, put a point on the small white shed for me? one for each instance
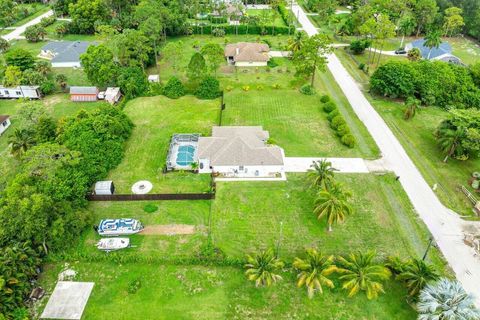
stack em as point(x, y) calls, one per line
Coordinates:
point(112, 95)
point(154, 78)
point(104, 187)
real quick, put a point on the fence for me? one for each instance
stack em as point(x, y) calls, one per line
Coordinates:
point(144, 197)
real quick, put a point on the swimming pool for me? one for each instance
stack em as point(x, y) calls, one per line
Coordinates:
point(185, 155)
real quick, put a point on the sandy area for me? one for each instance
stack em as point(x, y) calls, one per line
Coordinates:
point(169, 229)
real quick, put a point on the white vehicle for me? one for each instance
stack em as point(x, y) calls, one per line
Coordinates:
point(112, 244)
point(119, 227)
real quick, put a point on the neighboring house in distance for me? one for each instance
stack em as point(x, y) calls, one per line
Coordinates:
point(153, 78)
point(83, 94)
point(112, 95)
point(4, 123)
point(247, 54)
point(240, 152)
point(65, 54)
point(29, 92)
point(233, 13)
point(442, 53)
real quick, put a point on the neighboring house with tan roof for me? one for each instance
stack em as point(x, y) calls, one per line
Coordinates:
point(247, 54)
point(240, 152)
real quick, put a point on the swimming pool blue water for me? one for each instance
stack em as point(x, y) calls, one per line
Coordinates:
point(185, 155)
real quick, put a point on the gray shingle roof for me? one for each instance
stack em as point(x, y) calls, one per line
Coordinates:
point(83, 90)
point(239, 146)
point(67, 51)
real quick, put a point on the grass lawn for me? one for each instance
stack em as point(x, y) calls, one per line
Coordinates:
point(258, 12)
point(57, 105)
point(417, 137)
point(295, 121)
point(37, 10)
point(156, 119)
point(75, 77)
point(196, 292)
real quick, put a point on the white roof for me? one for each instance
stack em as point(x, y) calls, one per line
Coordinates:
point(153, 77)
point(112, 91)
point(103, 185)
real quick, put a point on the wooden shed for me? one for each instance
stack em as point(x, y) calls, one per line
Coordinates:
point(83, 94)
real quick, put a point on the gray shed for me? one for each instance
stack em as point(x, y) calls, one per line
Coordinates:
point(104, 187)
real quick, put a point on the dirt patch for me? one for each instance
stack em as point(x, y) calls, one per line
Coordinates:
point(169, 229)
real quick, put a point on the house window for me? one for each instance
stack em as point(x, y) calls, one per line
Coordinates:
point(201, 165)
point(240, 168)
point(6, 91)
point(4, 123)
point(18, 92)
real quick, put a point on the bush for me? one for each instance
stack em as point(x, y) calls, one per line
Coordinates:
point(359, 46)
point(174, 88)
point(48, 21)
point(47, 87)
point(348, 140)
point(325, 98)
point(218, 32)
point(246, 88)
point(150, 208)
point(276, 86)
point(134, 286)
point(342, 130)
point(332, 115)
point(272, 63)
point(329, 106)
point(209, 88)
point(361, 66)
point(307, 89)
point(337, 122)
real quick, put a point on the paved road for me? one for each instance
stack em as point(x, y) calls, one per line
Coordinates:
point(16, 34)
point(445, 226)
point(343, 165)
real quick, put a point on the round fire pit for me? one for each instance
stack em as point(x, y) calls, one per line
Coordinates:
point(142, 187)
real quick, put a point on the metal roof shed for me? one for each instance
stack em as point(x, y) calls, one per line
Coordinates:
point(104, 187)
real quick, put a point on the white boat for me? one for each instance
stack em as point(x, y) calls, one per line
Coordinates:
point(112, 244)
point(119, 227)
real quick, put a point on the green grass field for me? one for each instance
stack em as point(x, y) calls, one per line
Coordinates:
point(156, 119)
point(258, 12)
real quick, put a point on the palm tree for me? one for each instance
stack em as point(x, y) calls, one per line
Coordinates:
point(322, 173)
point(295, 42)
point(61, 80)
point(446, 300)
point(361, 273)
point(262, 267)
point(333, 205)
point(21, 140)
point(314, 271)
point(411, 108)
point(449, 140)
point(433, 39)
point(416, 275)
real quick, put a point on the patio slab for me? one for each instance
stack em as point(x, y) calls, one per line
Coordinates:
point(68, 300)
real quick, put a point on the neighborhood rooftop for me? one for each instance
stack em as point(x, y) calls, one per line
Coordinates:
point(66, 51)
point(3, 117)
point(248, 51)
point(83, 90)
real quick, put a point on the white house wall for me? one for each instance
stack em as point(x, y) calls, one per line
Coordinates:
point(66, 64)
point(248, 171)
point(250, 64)
point(3, 127)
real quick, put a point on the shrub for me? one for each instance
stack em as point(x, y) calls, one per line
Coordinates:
point(272, 63)
point(174, 88)
point(395, 79)
point(361, 66)
point(48, 21)
point(134, 286)
point(342, 130)
point(329, 106)
point(337, 121)
point(246, 88)
point(228, 88)
point(47, 87)
point(307, 89)
point(276, 86)
point(332, 115)
point(348, 140)
point(150, 208)
point(259, 87)
point(325, 98)
point(218, 32)
point(209, 88)
point(359, 46)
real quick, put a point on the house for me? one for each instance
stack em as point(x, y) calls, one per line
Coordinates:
point(112, 95)
point(247, 54)
point(83, 94)
point(154, 78)
point(239, 152)
point(29, 92)
point(232, 12)
point(442, 53)
point(65, 54)
point(4, 123)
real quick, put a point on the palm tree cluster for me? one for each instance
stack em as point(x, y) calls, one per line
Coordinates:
point(332, 201)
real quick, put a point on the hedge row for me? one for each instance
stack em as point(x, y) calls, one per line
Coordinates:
point(337, 122)
point(285, 14)
point(242, 29)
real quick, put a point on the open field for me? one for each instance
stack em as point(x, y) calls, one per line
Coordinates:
point(156, 119)
point(57, 105)
point(259, 12)
point(195, 292)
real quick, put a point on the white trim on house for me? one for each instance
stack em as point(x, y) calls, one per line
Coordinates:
point(4, 125)
point(29, 92)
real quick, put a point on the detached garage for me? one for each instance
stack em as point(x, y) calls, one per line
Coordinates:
point(83, 94)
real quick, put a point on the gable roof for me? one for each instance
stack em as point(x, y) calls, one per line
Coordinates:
point(239, 146)
point(443, 49)
point(4, 117)
point(67, 51)
point(83, 90)
point(248, 51)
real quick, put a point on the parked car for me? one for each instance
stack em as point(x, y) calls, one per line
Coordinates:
point(400, 51)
